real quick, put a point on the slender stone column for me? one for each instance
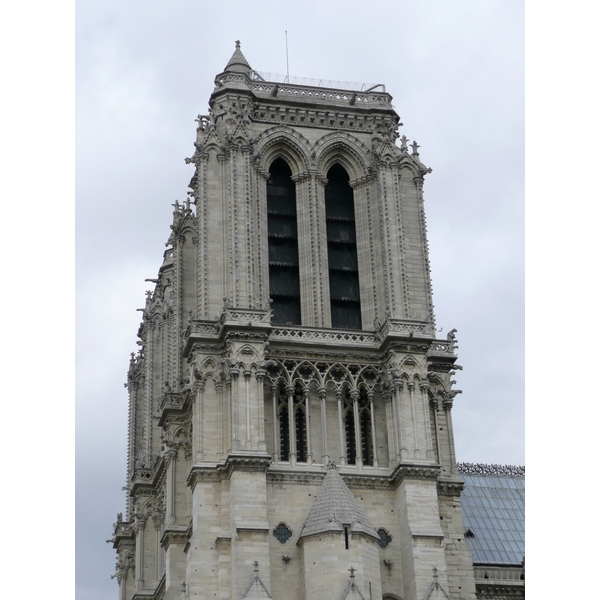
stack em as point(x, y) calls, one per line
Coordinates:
point(235, 442)
point(162, 550)
point(149, 386)
point(198, 421)
point(220, 441)
point(247, 376)
point(306, 392)
point(434, 405)
point(322, 391)
point(276, 434)
point(292, 424)
point(401, 444)
point(392, 428)
point(411, 388)
point(170, 485)
point(139, 555)
point(122, 579)
point(424, 386)
point(370, 396)
point(354, 396)
point(262, 444)
point(157, 559)
point(448, 407)
point(338, 395)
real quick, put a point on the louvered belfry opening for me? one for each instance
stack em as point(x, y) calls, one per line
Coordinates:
point(284, 432)
point(284, 276)
point(344, 288)
point(364, 425)
point(366, 432)
point(300, 422)
point(350, 427)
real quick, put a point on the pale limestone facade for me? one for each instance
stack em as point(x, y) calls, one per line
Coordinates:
point(234, 418)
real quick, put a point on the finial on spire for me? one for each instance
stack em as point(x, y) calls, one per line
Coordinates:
point(435, 575)
point(331, 464)
point(256, 563)
point(237, 44)
point(352, 571)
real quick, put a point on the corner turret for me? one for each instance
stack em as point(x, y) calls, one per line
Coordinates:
point(238, 63)
point(337, 537)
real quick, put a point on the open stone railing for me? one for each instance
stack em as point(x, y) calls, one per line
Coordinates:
point(321, 83)
point(320, 94)
point(443, 346)
point(316, 91)
point(405, 328)
point(245, 315)
point(362, 338)
point(498, 573)
point(172, 401)
point(142, 474)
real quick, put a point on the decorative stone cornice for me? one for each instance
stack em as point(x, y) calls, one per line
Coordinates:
point(492, 575)
point(359, 480)
point(500, 591)
point(294, 478)
point(257, 463)
point(411, 471)
point(174, 535)
point(450, 488)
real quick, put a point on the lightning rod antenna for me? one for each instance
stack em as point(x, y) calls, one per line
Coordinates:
point(287, 62)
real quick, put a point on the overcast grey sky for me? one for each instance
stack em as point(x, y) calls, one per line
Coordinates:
point(144, 71)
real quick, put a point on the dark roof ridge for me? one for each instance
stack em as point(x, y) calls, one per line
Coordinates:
point(492, 469)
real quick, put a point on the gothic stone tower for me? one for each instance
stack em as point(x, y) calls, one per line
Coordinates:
point(290, 431)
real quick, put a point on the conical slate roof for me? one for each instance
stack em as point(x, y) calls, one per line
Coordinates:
point(238, 61)
point(334, 507)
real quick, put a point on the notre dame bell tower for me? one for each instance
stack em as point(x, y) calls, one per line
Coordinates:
point(290, 431)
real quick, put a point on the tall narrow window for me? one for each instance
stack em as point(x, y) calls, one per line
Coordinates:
point(366, 436)
point(344, 288)
point(364, 429)
point(284, 278)
point(300, 421)
point(350, 429)
point(284, 432)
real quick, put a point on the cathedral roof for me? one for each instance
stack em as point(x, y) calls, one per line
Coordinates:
point(493, 508)
point(238, 61)
point(334, 507)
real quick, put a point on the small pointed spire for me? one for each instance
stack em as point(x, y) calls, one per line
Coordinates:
point(238, 62)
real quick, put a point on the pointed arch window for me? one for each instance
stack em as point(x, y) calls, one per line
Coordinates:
point(344, 289)
point(284, 276)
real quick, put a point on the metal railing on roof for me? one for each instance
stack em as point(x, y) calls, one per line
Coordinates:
point(324, 83)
